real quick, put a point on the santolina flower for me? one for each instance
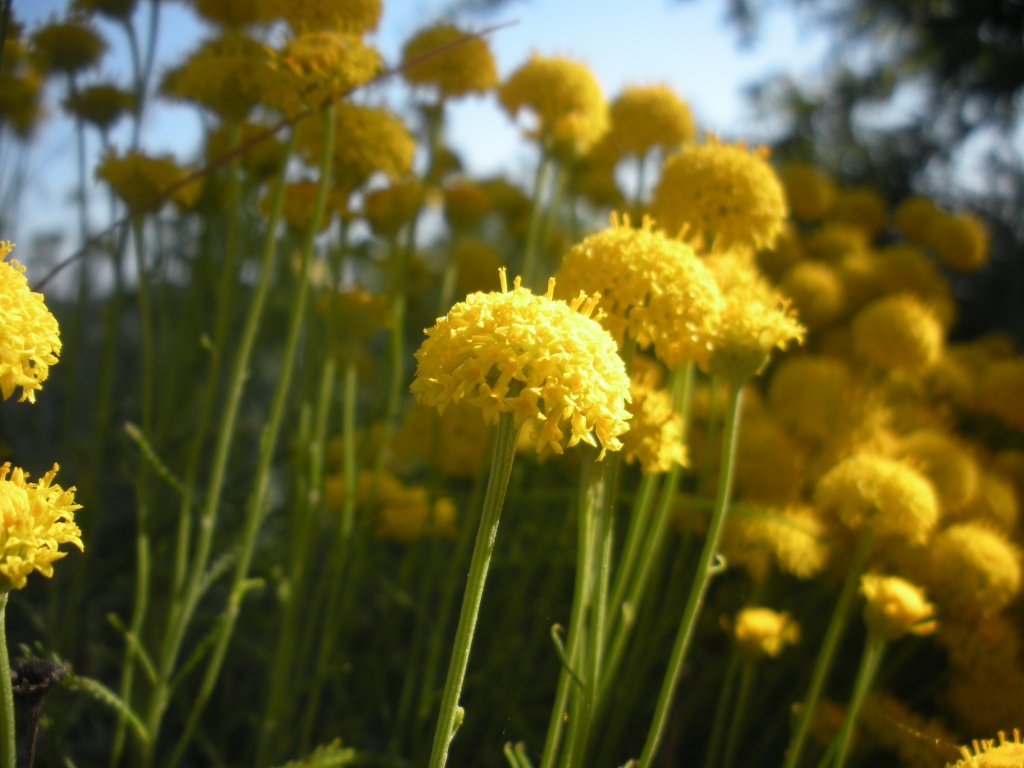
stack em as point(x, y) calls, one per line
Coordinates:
point(645, 117)
point(655, 436)
point(809, 191)
point(30, 339)
point(893, 607)
point(446, 57)
point(144, 183)
point(898, 332)
point(987, 754)
point(547, 362)
point(37, 518)
point(762, 632)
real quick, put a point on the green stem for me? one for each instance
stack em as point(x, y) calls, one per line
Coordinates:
point(705, 570)
point(534, 228)
point(8, 744)
point(722, 708)
point(874, 649)
point(823, 664)
point(742, 698)
point(501, 468)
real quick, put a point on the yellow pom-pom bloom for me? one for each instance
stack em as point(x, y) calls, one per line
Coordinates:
point(861, 275)
point(67, 46)
point(352, 16)
point(655, 436)
point(860, 207)
point(951, 469)
point(960, 240)
point(906, 269)
point(37, 518)
point(645, 117)
point(890, 496)
point(893, 607)
point(1001, 391)
point(570, 110)
point(720, 196)
point(816, 291)
point(977, 570)
point(144, 183)
point(465, 205)
point(913, 218)
point(898, 332)
point(769, 464)
point(30, 342)
point(653, 288)
point(451, 441)
point(547, 362)
point(806, 393)
point(763, 633)
point(791, 538)
point(447, 58)
point(390, 208)
point(988, 754)
point(100, 105)
point(831, 241)
point(809, 191)
point(995, 503)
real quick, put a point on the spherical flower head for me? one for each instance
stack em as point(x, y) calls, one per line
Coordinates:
point(951, 469)
point(545, 361)
point(144, 183)
point(763, 633)
point(816, 291)
point(960, 240)
point(860, 273)
point(889, 496)
point(21, 106)
point(810, 192)
point(655, 436)
point(832, 240)
point(100, 105)
point(913, 217)
point(645, 117)
point(451, 441)
point(807, 392)
point(995, 503)
point(390, 208)
point(987, 754)
point(408, 515)
point(226, 75)
point(67, 47)
point(352, 16)
point(447, 58)
point(37, 518)
point(792, 538)
point(1001, 391)
point(860, 207)
point(465, 204)
point(907, 269)
point(893, 607)
point(570, 110)
point(977, 570)
point(653, 289)
point(899, 333)
point(354, 314)
point(297, 208)
point(30, 341)
point(317, 68)
point(720, 196)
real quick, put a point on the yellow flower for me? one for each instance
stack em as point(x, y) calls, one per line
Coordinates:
point(547, 362)
point(807, 392)
point(101, 105)
point(769, 464)
point(988, 754)
point(764, 633)
point(356, 315)
point(297, 207)
point(817, 293)
point(352, 16)
point(236, 13)
point(655, 436)
point(465, 204)
point(791, 538)
point(720, 196)
point(949, 466)
point(891, 497)
point(570, 110)
point(898, 332)
point(960, 240)
point(389, 208)
point(453, 441)
point(913, 218)
point(21, 102)
point(809, 191)
point(67, 46)
point(977, 570)
point(995, 503)
point(144, 183)
point(30, 342)
point(653, 288)
point(37, 518)
point(465, 65)
point(893, 607)
point(860, 207)
point(262, 156)
point(408, 515)
point(831, 241)
point(645, 117)
point(317, 68)
point(906, 269)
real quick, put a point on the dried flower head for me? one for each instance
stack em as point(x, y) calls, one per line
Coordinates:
point(893, 607)
point(547, 362)
point(30, 342)
point(720, 196)
point(763, 633)
point(37, 518)
point(648, 117)
point(447, 58)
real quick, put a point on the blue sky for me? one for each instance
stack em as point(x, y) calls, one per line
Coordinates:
point(687, 45)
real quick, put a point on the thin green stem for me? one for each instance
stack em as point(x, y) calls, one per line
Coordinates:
point(722, 709)
point(705, 570)
point(827, 652)
point(742, 698)
point(533, 230)
point(8, 744)
point(501, 469)
point(874, 649)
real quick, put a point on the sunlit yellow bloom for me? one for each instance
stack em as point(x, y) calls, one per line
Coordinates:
point(317, 68)
point(67, 46)
point(861, 274)
point(226, 75)
point(793, 539)
point(647, 116)
point(898, 332)
point(37, 518)
point(352, 16)
point(816, 291)
point(720, 196)
point(30, 342)
point(810, 192)
point(995, 503)
point(465, 65)
point(655, 435)
point(390, 208)
point(893, 607)
point(100, 105)
point(988, 754)
point(653, 288)
point(890, 496)
point(566, 100)
point(763, 633)
point(977, 569)
point(952, 470)
point(144, 183)
point(860, 207)
point(913, 218)
point(547, 362)
point(960, 240)
point(806, 392)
